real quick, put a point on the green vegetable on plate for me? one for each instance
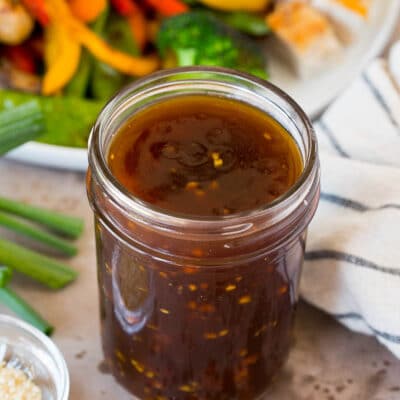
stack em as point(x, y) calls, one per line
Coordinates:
point(106, 81)
point(250, 23)
point(67, 120)
point(80, 84)
point(200, 38)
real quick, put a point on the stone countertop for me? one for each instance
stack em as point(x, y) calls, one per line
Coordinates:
point(327, 361)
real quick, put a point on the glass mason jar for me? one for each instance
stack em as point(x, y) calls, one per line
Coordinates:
point(198, 308)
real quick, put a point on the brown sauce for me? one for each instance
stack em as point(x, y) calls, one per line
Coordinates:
point(173, 331)
point(205, 156)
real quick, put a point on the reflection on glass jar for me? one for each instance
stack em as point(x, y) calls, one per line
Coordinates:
point(198, 308)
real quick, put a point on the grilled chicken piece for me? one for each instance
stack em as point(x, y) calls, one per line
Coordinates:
point(305, 36)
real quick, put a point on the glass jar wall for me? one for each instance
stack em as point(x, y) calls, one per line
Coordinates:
point(198, 308)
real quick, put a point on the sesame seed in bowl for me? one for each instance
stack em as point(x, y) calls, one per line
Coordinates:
point(31, 366)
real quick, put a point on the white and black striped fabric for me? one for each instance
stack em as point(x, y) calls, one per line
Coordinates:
point(352, 268)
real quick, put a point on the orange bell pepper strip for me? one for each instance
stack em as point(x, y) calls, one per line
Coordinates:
point(38, 10)
point(87, 11)
point(125, 63)
point(168, 7)
point(62, 55)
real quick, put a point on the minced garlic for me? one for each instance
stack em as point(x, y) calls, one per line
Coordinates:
point(14, 384)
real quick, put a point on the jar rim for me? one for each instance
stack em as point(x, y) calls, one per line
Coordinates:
point(97, 157)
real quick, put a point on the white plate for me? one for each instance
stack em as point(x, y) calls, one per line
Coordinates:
point(312, 94)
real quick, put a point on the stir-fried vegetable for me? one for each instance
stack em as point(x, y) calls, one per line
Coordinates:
point(79, 84)
point(79, 53)
point(250, 23)
point(125, 7)
point(21, 57)
point(107, 80)
point(130, 65)
point(38, 9)
point(169, 7)
point(62, 58)
point(87, 11)
point(242, 5)
point(199, 38)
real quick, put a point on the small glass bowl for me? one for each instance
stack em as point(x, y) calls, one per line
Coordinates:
point(25, 348)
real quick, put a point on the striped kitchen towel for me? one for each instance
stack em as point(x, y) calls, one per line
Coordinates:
point(352, 268)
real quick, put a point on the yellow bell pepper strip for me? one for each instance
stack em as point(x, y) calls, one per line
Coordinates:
point(87, 11)
point(357, 6)
point(237, 5)
point(125, 63)
point(62, 55)
point(136, 66)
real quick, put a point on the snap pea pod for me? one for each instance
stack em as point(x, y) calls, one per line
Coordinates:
point(80, 82)
point(250, 23)
point(106, 81)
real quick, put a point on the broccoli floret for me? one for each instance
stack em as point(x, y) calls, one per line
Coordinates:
point(199, 38)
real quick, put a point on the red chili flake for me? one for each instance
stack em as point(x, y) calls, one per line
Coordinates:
point(283, 289)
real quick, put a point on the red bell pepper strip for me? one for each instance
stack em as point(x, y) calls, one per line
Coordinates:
point(38, 9)
point(168, 7)
point(21, 58)
point(137, 23)
point(125, 7)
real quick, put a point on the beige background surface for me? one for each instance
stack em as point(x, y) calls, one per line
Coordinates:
point(326, 363)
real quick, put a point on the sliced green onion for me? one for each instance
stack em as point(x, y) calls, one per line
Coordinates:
point(21, 308)
point(20, 124)
point(33, 232)
point(43, 269)
point(64, 224)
